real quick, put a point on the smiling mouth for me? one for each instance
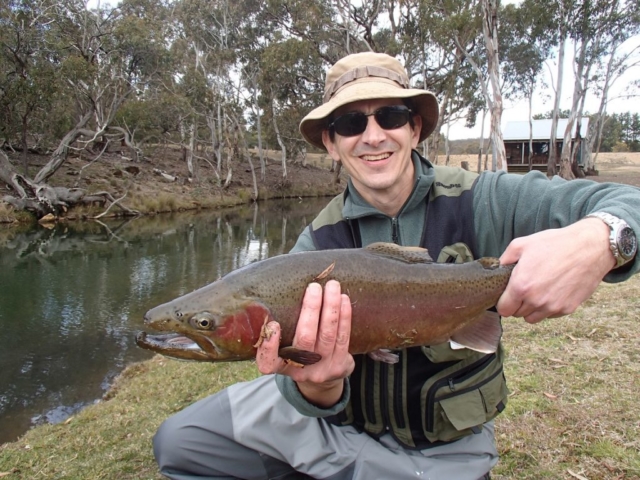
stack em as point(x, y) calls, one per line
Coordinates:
point(375, 158)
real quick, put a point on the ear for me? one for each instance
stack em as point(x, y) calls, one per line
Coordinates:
point(417, 128)
point(330, 145)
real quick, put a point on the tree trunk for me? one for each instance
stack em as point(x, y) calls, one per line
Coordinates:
point(283, 147)
point(447, 150)
point(568, 147)
point(41, 198)
point(263, 166)
point(303, 154)
point(59, 155)
point(553, 150)
point(192, 161)
point(18, 183)
point(136, 151)
point(240, 134)
point(490, 30)
point(596, 134)
point(481, 143)
point(435, 136)
point(530, 128)
point(25, 147)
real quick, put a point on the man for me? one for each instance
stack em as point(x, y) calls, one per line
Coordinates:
point(431, 414)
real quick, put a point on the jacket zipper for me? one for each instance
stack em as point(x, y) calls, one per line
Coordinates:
point(394, 231)
point(462, 375)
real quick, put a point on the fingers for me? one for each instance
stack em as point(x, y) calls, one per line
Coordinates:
point(551, 279)
point(523, 298)
point(324, 327)
point(307, 329)
point(329, 319)
point(344, 326)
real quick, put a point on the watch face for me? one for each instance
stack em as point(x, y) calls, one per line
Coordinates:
point(627, 243)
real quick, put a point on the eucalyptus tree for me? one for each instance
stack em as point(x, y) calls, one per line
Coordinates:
point(303, 44)
point(494, 102)
point(97, 70)
point(594, 27)
point(142, 35)
point(469, 28)
point(435, 38)
point(27, 75)
point(617, 59)
point(525, 46)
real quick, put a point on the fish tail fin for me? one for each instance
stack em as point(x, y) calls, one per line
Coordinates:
point(301, 357)
point(482, 334)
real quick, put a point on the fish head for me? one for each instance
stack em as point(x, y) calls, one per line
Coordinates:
point(205, 325)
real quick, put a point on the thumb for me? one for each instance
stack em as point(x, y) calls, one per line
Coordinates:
point(267, 355)
point(512, 254)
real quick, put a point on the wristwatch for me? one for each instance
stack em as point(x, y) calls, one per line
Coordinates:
point(622, 239)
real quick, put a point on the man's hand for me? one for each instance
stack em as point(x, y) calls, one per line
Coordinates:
point(556, 270)
point(324, 327)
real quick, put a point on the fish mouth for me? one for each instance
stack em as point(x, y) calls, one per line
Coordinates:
point(174, 345)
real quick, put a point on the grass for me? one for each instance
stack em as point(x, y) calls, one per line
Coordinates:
point(574, 384)
point(572, 412)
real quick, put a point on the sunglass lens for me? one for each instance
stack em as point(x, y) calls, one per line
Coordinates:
point(393, 117)
point(350, 124)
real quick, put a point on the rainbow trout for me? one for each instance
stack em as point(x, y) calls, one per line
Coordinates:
point(400, 298)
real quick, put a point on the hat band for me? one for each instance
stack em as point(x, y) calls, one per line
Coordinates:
point(363, 72)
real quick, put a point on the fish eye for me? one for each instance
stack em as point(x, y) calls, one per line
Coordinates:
point(203, 321)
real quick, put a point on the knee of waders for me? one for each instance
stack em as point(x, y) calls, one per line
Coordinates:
point(167, 444)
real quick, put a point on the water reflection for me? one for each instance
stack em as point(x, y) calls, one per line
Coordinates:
point(73, 296)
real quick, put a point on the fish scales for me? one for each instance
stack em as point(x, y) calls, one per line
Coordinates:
point(399, 298)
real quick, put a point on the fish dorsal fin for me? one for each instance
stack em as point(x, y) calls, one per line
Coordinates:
point(404, 254)
point(481, 334)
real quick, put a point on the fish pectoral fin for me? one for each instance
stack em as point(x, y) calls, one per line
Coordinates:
point(404, 254)
point(482, 334)
point(302, 357)
point(384, 355)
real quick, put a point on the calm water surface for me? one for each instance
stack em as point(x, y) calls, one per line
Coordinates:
point(72, 298)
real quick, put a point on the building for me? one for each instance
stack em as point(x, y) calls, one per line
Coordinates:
point(516, 143)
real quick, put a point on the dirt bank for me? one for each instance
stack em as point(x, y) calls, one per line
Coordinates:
point(151, 193)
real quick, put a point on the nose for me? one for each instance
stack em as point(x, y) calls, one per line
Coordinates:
point(374, 133)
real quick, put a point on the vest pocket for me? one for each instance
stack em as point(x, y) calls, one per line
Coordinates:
point(458, 405)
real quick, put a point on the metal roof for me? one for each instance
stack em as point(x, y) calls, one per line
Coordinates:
point(541, 129)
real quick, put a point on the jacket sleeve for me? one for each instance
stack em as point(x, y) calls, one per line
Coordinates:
point(508, 206)
point(290, 392)
point(304, 242)
point(286, 385)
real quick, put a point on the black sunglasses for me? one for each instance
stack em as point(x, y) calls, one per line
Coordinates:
point(354, 123)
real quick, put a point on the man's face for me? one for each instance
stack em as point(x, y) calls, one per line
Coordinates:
point(378, 160)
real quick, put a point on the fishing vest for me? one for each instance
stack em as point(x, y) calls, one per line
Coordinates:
point(434, 394)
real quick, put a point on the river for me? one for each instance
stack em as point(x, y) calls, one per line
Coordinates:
point(72, 296)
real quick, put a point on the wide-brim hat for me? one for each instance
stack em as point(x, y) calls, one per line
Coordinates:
point(367, 76)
